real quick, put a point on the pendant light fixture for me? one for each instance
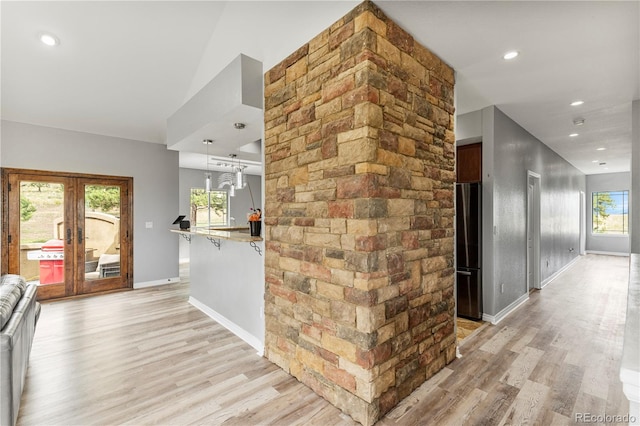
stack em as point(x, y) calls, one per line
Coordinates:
point(240, 178)
point(239, 172)
point(240, 182)
point(226, 178)
point(235, 178)
point(208, 184)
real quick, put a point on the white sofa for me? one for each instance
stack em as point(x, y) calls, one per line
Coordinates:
point(19, 314)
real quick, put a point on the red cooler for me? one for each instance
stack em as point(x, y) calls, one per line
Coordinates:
point(52, 262)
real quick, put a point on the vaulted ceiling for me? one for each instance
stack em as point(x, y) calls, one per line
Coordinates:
point(123, 67)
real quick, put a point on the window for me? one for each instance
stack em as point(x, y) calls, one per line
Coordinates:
point(208, 208)
point(610, 214)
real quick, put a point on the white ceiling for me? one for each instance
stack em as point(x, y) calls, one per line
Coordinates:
point(123, 68)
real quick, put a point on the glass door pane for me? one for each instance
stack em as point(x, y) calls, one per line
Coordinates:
point(42, 232)
point(101, 231)
point(42, 226)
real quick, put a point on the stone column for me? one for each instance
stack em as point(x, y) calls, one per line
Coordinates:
point(359, 176)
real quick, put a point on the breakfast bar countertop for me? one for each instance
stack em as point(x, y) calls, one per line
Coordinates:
point(236, 233)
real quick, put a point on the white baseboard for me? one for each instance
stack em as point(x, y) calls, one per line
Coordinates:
point(156, 282)
point(608, 253)
point(495, 319)
point(558, 272)
point(229, 325)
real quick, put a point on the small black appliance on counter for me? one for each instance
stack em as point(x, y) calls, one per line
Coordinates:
point(185, 225)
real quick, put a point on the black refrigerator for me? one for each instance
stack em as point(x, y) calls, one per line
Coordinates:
point(469, 249)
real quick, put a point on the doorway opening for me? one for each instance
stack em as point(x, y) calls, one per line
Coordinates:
point(69, 233)
point(533, 231)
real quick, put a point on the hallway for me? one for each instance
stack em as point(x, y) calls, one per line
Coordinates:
point(148, 357)
point(558, 355)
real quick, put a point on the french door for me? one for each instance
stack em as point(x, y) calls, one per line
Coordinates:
point(69, 233)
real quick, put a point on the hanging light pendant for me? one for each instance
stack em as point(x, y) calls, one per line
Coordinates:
point(240, 183)
point(208, 184)
point(240, 178)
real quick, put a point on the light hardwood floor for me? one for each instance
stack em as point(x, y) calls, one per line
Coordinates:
point(148, 357)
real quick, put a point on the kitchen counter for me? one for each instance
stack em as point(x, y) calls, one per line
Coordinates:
point(630, 365)
point(240, 234)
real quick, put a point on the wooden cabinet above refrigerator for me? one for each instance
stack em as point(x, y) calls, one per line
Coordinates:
point(469, 163)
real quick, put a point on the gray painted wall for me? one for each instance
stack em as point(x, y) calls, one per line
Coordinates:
point(515, 152)
point(469, 128)
point(488, 263)
point(155, 182)
point(238, 206)
point(635, 177)
point(606, 182)
point(509, 152)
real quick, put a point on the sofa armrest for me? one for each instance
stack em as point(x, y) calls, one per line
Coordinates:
point(16, 339)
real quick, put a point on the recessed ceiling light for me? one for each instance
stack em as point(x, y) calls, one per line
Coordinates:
point(49, 39)
point(578, 121)
point(594, 161)
point(573, 135)
point(510, 55)
point(601, 149)
point(576, 103)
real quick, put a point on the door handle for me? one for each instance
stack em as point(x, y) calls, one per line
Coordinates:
point(464, 273)
point(68, 235)
point(79, 235)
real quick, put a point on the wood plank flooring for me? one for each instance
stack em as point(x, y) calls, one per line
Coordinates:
point(147, 357)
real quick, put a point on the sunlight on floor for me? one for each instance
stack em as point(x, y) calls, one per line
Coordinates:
point(466, 327)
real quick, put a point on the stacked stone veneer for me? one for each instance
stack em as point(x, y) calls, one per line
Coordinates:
point(359, 214)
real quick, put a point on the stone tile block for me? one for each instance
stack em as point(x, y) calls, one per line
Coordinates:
point(330, 291)
point(296, 70)
point(370, 318)
point(337, 88)
point(355, 151)
point(369, 20)
point(378, 169)
point(366, 39)
point(339, 346)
